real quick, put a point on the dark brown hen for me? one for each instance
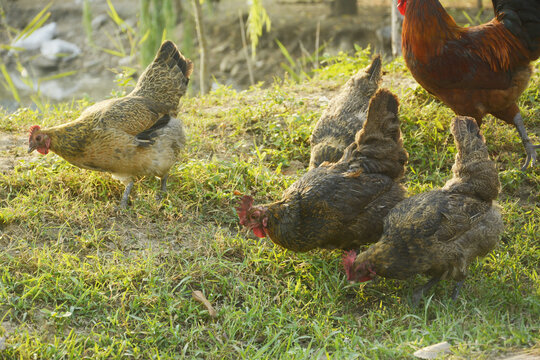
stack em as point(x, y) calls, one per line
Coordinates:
point(345, 115)
point(340, 205)
point(439, 233)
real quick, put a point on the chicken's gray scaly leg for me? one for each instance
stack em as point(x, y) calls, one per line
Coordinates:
point(125, 197)
point(455, 292)
point(419, 292)
point(163, 188)
point(530, 149)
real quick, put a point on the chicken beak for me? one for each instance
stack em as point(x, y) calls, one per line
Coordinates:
point(31, 148)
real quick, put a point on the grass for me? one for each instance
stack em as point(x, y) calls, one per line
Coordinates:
point(79, 280)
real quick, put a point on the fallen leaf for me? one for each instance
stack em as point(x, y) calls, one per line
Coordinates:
point(197, 295)
point(433, 351)
point(237, 193)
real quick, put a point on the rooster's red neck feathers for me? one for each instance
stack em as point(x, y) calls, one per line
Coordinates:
point(427, 29)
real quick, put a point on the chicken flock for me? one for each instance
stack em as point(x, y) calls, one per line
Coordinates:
point(352, 196)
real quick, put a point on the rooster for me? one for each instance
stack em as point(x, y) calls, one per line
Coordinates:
point(440, 232)
point(136, 135)
point(477, 70)
point(341, 205)
point(344, 116)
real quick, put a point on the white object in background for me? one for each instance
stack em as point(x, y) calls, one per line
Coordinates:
point(433, 351)
point(35, 39)
point(58, 48)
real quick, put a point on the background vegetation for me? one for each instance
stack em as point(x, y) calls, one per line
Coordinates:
point(80, 280)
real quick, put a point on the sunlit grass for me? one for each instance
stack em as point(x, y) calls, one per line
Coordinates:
point(80, 280)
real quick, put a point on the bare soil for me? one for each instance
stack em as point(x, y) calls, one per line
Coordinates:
point(295, 23)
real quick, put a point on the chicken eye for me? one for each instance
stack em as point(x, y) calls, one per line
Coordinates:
point(38, 138)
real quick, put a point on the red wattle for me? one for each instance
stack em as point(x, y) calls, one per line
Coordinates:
point(402, 6)
point(365, 278)
point(259, 232)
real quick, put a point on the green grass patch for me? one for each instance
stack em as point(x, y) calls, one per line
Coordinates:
point(81, 280)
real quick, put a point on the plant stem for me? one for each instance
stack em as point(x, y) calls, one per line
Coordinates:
point(202, 46)
point(245, 47)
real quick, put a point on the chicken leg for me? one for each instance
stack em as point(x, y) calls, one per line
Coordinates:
point(419, 292)
point(163, 189)
point(530, 149)
point(458, 287)
point(125, 197)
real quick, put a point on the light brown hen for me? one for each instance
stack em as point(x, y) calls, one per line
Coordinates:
point(136, 135)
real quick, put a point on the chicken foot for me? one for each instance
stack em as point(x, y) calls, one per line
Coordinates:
point(419, 292)
point(530, 149)
point(125, 197)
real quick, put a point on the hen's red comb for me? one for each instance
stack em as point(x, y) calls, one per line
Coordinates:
point(348, 264)
point(33, 129)
point(242, 209)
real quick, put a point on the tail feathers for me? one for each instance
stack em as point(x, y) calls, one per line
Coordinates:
point(464, 122)
point(382, 117)
point(379, 143)
point(165, 80)
point(521, 18)
point(170, 55)
point(374, 69)
point(472, 127)
point(474, 173)
point(467, 135)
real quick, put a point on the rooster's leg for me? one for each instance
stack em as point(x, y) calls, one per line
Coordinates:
point(419, 292)
point(125, 197)
point(455, 292)
point(163, 189)
point(530, 149)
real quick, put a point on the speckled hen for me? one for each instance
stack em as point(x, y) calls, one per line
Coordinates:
point(440, 232)
point(340, 205)
point(345, 115)
point(136, 135)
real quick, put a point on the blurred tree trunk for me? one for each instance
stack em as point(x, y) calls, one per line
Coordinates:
point(396, 20)
point(203, 49)
point(344, 7)
point(480, 5)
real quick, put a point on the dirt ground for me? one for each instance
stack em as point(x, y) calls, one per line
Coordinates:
point(294, 23)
